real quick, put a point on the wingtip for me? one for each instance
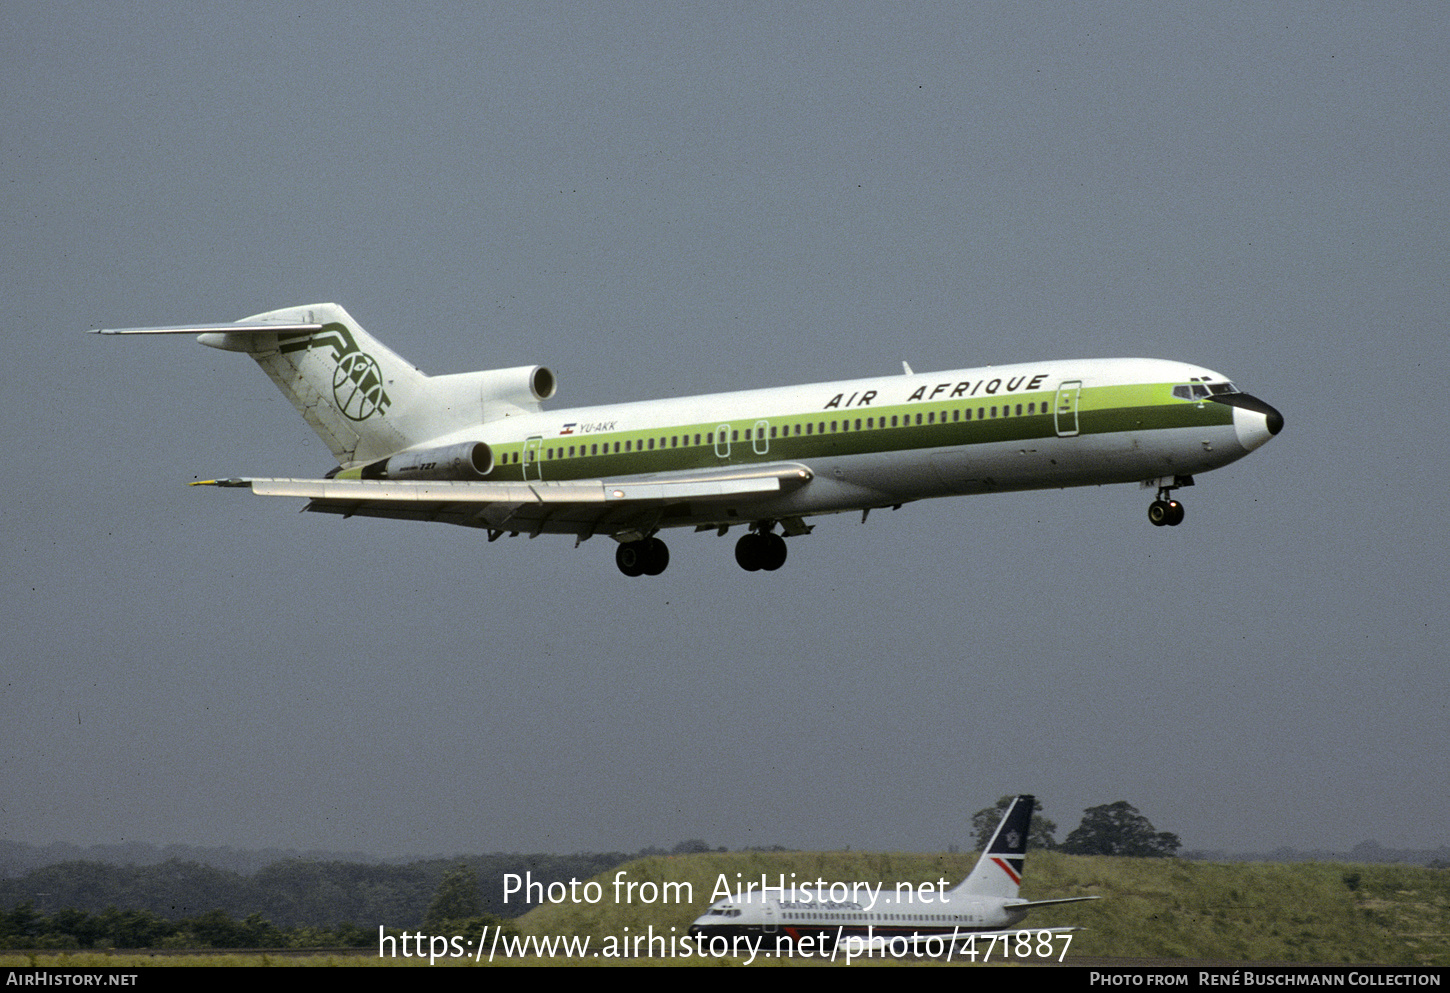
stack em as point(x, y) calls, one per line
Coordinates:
point(220, 482)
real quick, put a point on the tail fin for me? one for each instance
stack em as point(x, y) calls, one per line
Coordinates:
point(998, 873)
point(352, 389)
point(364, 400)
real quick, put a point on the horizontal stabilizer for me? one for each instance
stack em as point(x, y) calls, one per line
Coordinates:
point(214, 329)
point(1048, 903)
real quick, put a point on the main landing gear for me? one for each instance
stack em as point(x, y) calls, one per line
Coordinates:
point(645, 557)
point(758, 550)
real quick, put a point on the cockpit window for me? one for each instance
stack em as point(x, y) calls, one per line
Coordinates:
point(1198, 391)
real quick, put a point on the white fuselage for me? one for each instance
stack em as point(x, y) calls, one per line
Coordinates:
point(823, 921)
point(881, 442)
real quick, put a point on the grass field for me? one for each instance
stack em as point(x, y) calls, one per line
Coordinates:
point(1162, 909)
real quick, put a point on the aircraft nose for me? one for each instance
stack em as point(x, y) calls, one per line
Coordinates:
point(1255, 421)
point(1275, 420)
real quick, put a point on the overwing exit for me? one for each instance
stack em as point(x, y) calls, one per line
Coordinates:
point(479, 450)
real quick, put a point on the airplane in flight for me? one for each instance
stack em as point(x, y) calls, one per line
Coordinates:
point(983, 904)
point(479, 450)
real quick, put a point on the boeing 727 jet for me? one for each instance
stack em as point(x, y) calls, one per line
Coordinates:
point(478, 449)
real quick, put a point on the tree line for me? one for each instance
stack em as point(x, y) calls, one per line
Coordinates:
point(1111, 829)
point(290, 894)
point(24, 927)
point(455, 908)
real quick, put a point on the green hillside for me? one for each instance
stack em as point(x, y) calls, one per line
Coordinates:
point(1311, 912)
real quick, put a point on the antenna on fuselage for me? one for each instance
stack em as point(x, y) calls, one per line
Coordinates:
point(906, 368)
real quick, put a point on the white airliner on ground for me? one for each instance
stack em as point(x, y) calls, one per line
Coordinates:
point(983, 904)
point(477, 448)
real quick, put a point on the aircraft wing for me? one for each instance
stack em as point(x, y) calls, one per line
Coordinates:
point(577, 506)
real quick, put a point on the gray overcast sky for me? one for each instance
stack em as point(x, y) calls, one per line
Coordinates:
point(657, 200)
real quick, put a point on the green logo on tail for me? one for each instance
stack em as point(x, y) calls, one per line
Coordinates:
point(357, 382)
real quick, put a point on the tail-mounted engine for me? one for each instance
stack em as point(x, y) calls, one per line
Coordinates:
point(491, 393)
point(465, 461)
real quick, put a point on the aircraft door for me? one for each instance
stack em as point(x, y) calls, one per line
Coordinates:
point(761, 441)
point(533, 467)
point(771, 921)
point(1064, 411)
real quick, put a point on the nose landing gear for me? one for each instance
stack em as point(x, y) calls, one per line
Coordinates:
point(1169, 512)
point(1165, 510)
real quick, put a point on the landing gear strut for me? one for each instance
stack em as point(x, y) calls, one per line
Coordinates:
point(645, 557)
point(760, 550)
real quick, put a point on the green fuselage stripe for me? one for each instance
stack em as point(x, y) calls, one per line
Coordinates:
point(919, 425)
